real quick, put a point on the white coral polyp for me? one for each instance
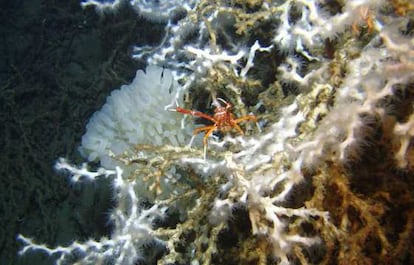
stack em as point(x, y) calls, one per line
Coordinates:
point(135, 114)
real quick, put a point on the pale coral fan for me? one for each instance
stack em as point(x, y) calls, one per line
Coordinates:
point(127, 117)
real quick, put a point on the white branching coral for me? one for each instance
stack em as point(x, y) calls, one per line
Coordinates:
point(156, 10)
point(270, 190)
point(405, 133)
point(133, 223)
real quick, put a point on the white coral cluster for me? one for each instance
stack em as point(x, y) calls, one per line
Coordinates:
point(134, 226)
point(327, 122)
point(371, 78)
point(136, 114)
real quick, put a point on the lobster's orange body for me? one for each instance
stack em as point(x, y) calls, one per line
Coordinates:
point(223, 119)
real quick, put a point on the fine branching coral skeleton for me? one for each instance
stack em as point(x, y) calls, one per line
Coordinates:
point(327, 179)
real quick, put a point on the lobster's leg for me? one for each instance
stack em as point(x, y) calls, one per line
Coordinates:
point(246, 118)
point(209, 129)
point(235, 125)
point(195, 113)
point(208, 133)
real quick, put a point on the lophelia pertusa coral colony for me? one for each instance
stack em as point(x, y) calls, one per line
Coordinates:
point(326, 179)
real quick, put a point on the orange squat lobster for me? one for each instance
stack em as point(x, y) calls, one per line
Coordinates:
point(223, 120)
